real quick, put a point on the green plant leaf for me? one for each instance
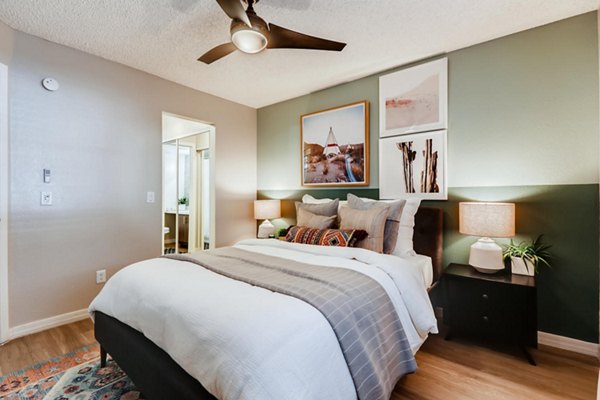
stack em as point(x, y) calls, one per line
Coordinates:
point(535, 251)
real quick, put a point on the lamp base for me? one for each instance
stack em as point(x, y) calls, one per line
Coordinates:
point(265, 230)
point(486, 256)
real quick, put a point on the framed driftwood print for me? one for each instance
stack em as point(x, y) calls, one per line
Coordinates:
point(413, 166)
point(414, 99)
point(335, 146)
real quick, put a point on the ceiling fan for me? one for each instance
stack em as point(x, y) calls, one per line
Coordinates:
point(251, 34)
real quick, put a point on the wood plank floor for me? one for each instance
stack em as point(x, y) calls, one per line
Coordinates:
point(460, 369)
point(30, 350)
point(448, 370)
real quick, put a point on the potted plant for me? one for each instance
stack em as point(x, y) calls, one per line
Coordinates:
point(282, 232)
point(183, 203)
point(526, 256)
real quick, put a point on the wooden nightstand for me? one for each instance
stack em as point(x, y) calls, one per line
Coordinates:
point(493, 306)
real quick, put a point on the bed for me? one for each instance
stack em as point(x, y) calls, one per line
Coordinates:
point(159, 376)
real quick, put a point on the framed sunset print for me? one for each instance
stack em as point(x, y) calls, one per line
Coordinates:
point(414, 99)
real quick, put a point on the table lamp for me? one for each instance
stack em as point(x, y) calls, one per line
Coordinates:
point(486, 220)
point(265, 209)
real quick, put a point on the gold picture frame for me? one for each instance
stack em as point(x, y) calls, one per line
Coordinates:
point(334, 146)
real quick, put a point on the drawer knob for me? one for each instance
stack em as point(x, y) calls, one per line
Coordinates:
point(485, 296)
point(485, 318)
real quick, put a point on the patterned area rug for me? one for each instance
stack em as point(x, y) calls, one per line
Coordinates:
point(71, 376)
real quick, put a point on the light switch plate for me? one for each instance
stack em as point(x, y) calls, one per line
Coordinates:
point(46, 175)
point(46, 198)
point(149, 197)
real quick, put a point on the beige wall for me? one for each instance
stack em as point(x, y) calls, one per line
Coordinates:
point(6, 43)
point(100, 134)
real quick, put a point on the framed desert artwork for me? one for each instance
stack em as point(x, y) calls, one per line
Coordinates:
point(335, 146)
point(413, 166)
point(414, 99)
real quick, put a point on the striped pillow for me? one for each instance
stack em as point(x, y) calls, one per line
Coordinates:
point(372, 221)
point(325, 237)
point(392, 224)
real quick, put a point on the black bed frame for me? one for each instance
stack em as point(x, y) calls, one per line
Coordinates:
point(159, 377)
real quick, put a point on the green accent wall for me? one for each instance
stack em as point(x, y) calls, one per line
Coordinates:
point(523, 126)
point(522, 110)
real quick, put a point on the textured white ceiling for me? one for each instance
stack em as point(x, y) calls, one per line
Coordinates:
point(165, 37)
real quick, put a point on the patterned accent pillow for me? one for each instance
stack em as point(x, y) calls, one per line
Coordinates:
point(325, 237)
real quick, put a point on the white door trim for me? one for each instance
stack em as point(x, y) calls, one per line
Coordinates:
point(4, 333)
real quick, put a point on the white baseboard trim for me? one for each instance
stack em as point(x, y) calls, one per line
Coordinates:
point(567, 343)
point(47, 323)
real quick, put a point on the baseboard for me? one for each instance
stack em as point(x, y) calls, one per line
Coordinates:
point(47, 323)
point(567, 343)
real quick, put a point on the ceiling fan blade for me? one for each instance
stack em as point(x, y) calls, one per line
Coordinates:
point(282, 38)
point(217, 53)
point(235, 10)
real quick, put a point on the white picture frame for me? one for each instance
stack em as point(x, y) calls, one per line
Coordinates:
point(414, 99)
point(395, 168)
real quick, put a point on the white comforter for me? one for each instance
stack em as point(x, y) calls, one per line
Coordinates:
point(245, 342)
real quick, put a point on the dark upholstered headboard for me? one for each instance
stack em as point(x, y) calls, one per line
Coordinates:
point(428, 236)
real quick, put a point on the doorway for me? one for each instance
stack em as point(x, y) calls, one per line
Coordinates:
point(188, 189)
point(4, 334)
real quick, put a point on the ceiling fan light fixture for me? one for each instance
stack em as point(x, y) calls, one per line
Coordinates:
point(249, 40)
point(251, 34)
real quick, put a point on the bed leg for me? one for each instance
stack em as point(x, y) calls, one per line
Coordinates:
point(102, 357)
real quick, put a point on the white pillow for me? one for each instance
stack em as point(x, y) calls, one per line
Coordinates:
point(404, 244)
point(308, 199)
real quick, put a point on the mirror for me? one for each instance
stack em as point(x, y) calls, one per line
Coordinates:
point(169, 197)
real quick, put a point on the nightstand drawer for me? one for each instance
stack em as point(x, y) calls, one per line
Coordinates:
point(473, 307)
point(481, 295)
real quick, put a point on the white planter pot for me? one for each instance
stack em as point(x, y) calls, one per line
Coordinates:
point(522, 267)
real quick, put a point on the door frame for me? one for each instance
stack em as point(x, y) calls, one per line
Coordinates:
point(4, 187)
point(211, 130)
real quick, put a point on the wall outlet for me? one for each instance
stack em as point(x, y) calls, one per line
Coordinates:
point(149, 197)
point(46, 198)
point(101, 276)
